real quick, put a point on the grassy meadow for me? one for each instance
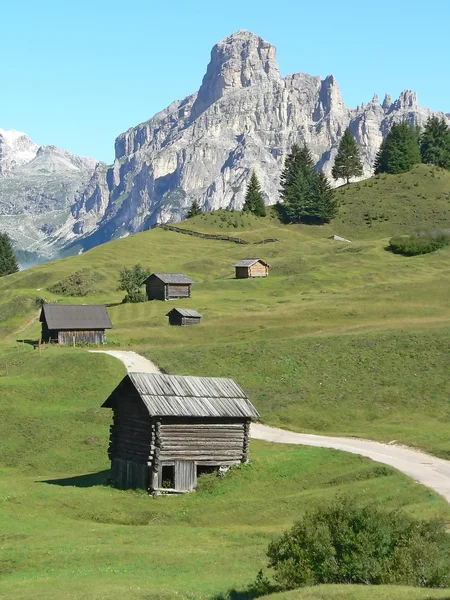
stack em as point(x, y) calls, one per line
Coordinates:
point(342, 339)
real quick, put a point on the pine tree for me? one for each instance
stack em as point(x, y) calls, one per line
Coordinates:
point(297, 182)
point(347, 163)
point(194, 210)
point(435, 143)
point(8, 261)
point(254, 201)
point(399, 151)
point(325, 205)
point(307, 195)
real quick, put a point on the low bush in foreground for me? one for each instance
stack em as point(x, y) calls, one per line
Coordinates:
point(77, 284)
point(344, 543)
point(418, 243)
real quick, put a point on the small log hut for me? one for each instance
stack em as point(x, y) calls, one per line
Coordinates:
point(183, 316)
point(168, 286)
point(251, 267)
point(72, 323)
point(166, 429)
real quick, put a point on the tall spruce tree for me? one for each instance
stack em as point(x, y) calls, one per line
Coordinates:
point(254, 201)
point(347, 163)
point(399, 151)
point(307, 196)
point(435, 142)
point(8, 260)
point(194, 210)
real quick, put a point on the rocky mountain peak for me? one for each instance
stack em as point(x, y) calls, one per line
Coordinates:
point(16, 149)
point(239, 61)
point(407, 100)
point(387, 102)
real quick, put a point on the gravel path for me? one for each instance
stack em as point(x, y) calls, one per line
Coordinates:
point(135, 363)
point(423, 468)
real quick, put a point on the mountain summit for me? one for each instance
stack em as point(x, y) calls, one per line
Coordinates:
point(244, 117)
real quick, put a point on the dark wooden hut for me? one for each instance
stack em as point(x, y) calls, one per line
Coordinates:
point(72, 323)
point(168, 286)
point(251, 267)
point(183, 316)
point(166, 429)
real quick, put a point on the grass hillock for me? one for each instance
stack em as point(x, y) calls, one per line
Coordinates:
point(360, 592)
point(66, 533)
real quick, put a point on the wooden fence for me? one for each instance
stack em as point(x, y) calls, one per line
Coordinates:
point(213, 236)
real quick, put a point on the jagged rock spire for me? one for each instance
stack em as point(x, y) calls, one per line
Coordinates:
point(239, 61)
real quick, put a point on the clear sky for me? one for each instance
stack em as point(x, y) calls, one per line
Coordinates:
point(78, 73)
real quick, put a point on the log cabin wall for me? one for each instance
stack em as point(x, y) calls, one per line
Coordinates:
point(208, 442)
point(131, 447)
point(156, 289)
point(242, 272)
point(177, 291)
point(258, 270)
point(97, 337)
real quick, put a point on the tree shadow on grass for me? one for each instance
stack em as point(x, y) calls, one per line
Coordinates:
point(82, 481)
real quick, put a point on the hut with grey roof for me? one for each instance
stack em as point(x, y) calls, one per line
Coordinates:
point(183, 316)
point(73, 323)
point(167, 429)
point(168, 286)
point(251, 267)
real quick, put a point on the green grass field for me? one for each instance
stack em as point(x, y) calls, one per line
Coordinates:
point(343, 339)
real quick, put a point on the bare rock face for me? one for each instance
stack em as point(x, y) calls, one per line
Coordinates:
point(245, 117)
point(40, 186)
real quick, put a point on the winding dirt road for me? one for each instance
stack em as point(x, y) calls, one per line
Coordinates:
point(425, 469)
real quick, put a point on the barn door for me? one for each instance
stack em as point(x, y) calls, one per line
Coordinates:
point(185, 475)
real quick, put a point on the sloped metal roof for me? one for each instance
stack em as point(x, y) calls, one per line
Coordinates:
point(185, 312)
point(75, 316)
point(176, 396)
point(172, 278)
point(248, 262)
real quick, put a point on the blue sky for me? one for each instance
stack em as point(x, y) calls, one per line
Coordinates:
point(77, 74)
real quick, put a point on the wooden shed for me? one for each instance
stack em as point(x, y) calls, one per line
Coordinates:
point(183, 316)
point(72, 323)
point(251, 267)
point(168, 286)
point(166, 429)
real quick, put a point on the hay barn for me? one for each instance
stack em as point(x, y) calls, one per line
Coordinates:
point(72, 323)
point(167, 429)
point(183, 316)
point(168, 286)
point(251, 267)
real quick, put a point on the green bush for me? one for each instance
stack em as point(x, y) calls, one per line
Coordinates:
point(344, 543)
point(135, 296)
point(79, 283)
point(418, 243)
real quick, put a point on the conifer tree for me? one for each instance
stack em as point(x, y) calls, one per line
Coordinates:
point(307, 195)
point(194, 210)
point(435, 143)
point(325, 205)
point(399, 151)
point(8, 261)
point(254, 201)
point(347, 163)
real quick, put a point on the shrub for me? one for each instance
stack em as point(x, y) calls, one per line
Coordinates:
point(418, 243)
point(135, 296)
point(344, 543)
point(131, 281)
point(79, 283)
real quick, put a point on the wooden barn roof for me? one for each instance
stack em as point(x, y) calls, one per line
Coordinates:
point(175, 278)
point(185, 312)
point(75, 316)
point(249, 262)
point(176, 396)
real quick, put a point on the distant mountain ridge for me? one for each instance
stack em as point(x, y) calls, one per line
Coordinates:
point(245, 116)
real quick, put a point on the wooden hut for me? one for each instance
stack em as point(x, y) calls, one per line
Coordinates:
point(251, 267)
point(166, 429)
point(168, 286)
point(183, 316)
point(72, 323)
